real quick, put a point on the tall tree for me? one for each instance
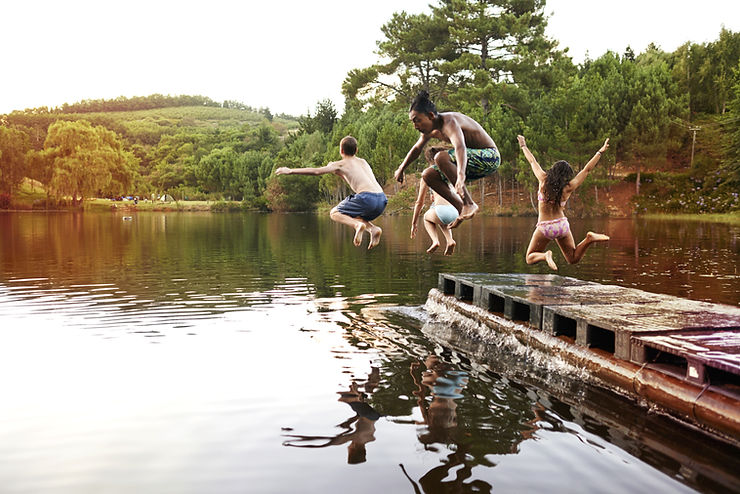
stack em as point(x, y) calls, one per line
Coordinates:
point(87, 160)
point(14, 144)
point(418, 47)
point(497, 41)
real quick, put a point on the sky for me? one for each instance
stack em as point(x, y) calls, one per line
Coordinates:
point(286, 55)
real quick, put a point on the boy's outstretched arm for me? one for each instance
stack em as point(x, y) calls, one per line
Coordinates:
point(581, 176)
point(536, 168)
point(330, 168)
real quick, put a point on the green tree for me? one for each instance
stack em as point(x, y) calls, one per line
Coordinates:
point(87, 160)
point(731, 127)
point(323, 121)
point(498, 41)
point(418, 46)
point(14, 145)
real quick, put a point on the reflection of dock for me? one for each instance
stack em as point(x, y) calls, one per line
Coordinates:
point(679, 354)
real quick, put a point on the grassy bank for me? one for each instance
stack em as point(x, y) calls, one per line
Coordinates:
point(732, 218)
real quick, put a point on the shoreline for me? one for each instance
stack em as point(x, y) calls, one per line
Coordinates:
point(235, 207)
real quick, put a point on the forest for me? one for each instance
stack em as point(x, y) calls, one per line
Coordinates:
point(672, 118)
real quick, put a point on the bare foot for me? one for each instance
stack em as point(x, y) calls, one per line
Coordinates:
point(375, 234)
point(433, 247)
point(597, 237)
point(550, 262)
point(455, 223)
point(450, 249)
point(359, 231)
point(468, 211)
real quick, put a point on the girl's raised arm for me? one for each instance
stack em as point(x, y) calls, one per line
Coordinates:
point(536, 168)
point(581, 176)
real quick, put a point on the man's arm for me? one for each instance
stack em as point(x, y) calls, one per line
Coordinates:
point(536, 168)
point(330, 168)
point(581, 176)
point(413, 153)
point(454, 132)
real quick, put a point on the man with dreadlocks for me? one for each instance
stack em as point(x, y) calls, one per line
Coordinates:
point(555, 187)
point(474, 155)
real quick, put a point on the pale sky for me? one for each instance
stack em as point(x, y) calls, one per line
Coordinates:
point(283, 54)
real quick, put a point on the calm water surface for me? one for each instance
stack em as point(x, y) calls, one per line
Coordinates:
point(266, 354)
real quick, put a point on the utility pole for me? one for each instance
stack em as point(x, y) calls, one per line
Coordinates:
point(693, 142)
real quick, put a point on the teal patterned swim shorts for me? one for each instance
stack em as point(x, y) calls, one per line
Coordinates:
point(481, 163)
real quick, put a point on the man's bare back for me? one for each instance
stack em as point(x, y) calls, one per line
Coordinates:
point(475, 136)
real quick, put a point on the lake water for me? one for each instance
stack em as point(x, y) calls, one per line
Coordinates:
point(189, 353)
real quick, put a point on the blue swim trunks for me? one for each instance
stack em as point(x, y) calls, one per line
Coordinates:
point(366, 205)
point(481, 163)
point(446, 213)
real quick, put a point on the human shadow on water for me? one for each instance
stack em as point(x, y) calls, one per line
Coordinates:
point(363, 420)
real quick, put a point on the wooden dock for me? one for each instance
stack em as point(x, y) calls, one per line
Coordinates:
point(696, 342)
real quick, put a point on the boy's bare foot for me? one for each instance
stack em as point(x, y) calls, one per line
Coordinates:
point(550, 262)
point(450, 249)
point(359, 230)
point(597, 237)
point(375, 234)
point(433, 247)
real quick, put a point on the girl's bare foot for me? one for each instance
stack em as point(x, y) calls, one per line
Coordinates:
point(550, 262)
point(596, 237)
point(375, 234)
point(433, 247)
point(359, 231)
point(450, 249)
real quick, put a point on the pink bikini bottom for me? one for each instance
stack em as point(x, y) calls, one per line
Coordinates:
point(556, 228)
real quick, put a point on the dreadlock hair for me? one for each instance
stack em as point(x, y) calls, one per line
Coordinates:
point(423, 104)
point(556, 179)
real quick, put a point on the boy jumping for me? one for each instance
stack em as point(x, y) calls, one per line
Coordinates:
point(367, 203)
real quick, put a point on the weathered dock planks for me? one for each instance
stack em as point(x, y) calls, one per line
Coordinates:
point(698, 342)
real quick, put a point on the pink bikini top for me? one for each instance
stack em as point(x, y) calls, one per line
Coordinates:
point(541, 198)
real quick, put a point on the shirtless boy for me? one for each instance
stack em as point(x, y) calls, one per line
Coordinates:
point(367, 203)
point(474, 154)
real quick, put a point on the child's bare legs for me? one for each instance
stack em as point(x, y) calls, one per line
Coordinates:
point(358, 224)
point(536, 250)
point(431, 227)
point(431, 223)
point(447, 233)
point(574, 253)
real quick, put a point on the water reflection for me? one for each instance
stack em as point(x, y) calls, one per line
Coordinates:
point(363, 420)
point(444, 384)
point(83, 297)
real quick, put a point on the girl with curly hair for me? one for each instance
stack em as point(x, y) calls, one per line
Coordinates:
point(555, 187)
